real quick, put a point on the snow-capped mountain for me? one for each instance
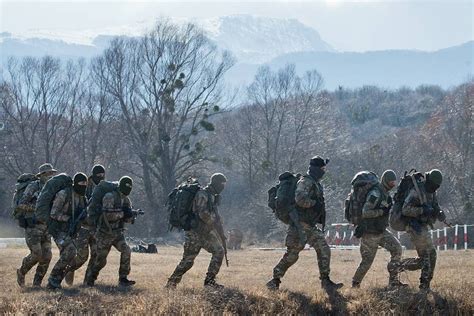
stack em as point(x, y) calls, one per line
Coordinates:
point(251, 39)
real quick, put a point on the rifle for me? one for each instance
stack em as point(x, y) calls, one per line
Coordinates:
point(74, 225)
point(135, 214)
point(220, 231)
point(296, 221)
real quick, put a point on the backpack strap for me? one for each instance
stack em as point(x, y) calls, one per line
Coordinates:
point(418, 191)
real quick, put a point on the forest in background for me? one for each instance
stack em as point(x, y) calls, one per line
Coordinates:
point(156, 108)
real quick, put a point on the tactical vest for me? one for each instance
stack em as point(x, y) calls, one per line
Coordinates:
point(116, 213)
point(313, 215)
point(377, 225)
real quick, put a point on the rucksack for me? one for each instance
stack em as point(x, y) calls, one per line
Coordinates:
point(362, 183)
point(46, 197)
point(397, 221)
point(180, 205)
point(281, 197)
point(100, 190)
point(21, 183)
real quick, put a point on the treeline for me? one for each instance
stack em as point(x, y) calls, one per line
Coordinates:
point(156, 108)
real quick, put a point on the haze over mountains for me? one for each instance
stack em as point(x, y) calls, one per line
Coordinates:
point(261, 40)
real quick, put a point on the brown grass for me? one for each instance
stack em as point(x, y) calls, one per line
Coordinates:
point(453, 287)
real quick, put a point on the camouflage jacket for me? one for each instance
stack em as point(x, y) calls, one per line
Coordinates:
point(90, 188)
point(205, 208)
point(413, 205)
point(374, 218)
point(116, 210)
point(67, 205)
point(309, 198)
point(28, 200)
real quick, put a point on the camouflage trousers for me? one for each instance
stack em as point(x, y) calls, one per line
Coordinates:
point(426, 260)
point(84, 241)
point(193, 243)
point(369, 244)
point(316, 239)
point(104, 242)
point(67, 253)
point(39, 243)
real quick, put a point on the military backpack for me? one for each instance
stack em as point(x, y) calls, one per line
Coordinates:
point(397, 221)
point(180, 205)
point(21, 184)
point(46, 197)
point(100, 190)
point(362, 183)
point(281, 197)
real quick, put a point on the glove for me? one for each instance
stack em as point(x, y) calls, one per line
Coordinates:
point(441, 216)
point(428, 210)
point(389, 201)
point(386, 210)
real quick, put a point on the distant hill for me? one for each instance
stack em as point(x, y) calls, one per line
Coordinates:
point(391, 68)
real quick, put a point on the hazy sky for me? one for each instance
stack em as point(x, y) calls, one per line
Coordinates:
point(346, 25)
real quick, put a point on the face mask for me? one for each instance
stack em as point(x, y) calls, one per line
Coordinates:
point(97, 179)
point(316, 172)
point(80, 189)
point(125, 188)
point(431, 187)
point(218, 187)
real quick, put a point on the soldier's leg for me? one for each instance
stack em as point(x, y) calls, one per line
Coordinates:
point(293, 248)
point(427, 253)
point(45, 259)
point(82, 248)
point(213, 246)
point(125, 255)
point(391, 243)
point(67, 252)
point(33, 241)
point(369, 244)
point(104, 243)
point(93, 253)
point(317, 240)
point(192, 248)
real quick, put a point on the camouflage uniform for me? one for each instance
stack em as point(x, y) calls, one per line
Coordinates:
point(37, 237)
point(310, 203)
point(67, 206)
point(84, 241)
point(418, 230)
point(110, 230)
point(203, 236)
point(375, 234)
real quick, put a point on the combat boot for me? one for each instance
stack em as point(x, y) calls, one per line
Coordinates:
point(37, 280)
point(211, 283)
point(328, 284)
point(69, 278)
point(88, 283)
point(355, 285)
point(171, 285)
point(394, 281)
point(273, 284)
point(20, 278)
point(53, 284)
point(126, 282)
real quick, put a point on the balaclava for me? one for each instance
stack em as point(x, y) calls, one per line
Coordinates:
point(217, 183)
point(387, 177)
point(315, 165)
point(125, 185)
point(434, 178)
point(79, 189)
point(96, 170)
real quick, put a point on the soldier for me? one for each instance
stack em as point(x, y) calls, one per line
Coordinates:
point(373, 232)
point(67, 211)
point(36, 234)
point(203, 234)
point(116, 211)
point(310, 205)
point(422, 208)
point(85, 237)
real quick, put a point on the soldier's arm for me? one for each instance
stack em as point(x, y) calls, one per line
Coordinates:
point(370, 209)
point(58, 206)
point(412, 206)
point(302, 194)
point(201, 208)
point(440, 215)
point(127, 205)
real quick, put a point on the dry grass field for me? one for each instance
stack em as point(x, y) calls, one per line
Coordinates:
point(245, 293)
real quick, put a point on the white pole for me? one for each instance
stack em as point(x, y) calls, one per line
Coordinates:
point(445, 239)
point(465, 236)
point(437, 241)
point(344, 238)
point(456, 237)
